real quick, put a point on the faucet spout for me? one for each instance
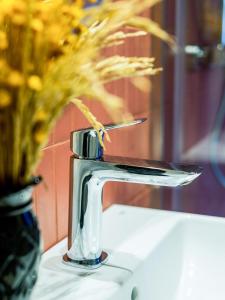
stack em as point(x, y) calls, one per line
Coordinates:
point(87, 180)
point(150, 172)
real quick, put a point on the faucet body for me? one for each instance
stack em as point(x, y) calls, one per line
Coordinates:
point(87, 179)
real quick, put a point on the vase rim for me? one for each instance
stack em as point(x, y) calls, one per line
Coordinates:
point(9, 190)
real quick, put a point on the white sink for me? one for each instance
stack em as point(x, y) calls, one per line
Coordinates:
point(154, 255)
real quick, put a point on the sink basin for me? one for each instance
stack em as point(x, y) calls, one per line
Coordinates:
point(154, 255)
point(188, 263)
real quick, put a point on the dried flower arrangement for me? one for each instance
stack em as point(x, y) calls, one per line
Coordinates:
point(50, 55)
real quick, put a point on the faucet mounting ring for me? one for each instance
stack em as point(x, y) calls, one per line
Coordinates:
point(87, 263)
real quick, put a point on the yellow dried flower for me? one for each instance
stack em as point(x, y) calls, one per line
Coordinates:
point(66, 10)
point(41, 10)
point(53, 50)
point(40, 115)
point(37, 25)
point(18, 19)
point(142, 83)
point(3, 40)
point(5, 98)
point(79, 3)
point(19, 6)
point(40, 135)
point(6, 7)
point(72, 39)
point(91, 118)
point(1, 17)
point(81, 28)
point(54, 33)
point(34, 83)
point(15, 79)
point(3, 64)
point(76, 12)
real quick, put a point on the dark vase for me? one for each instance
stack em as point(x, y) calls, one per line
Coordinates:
point(19, 243)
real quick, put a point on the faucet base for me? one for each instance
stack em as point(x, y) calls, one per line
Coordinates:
point(88, 264)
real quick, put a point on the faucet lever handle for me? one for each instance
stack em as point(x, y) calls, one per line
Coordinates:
point(85, 142)
point(122, 125)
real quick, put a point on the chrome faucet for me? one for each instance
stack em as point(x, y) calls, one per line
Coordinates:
point(90, 170)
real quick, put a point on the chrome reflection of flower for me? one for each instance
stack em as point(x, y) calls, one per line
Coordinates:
point(90, 3)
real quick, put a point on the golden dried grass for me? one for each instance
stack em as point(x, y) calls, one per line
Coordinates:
point(50, 55)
